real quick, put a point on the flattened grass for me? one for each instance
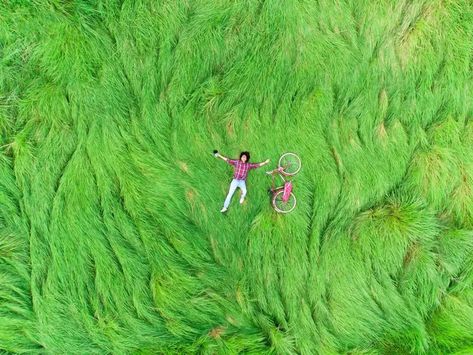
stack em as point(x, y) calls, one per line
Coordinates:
point(110, 235)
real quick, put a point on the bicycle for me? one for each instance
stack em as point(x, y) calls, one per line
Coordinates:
point(283, 200)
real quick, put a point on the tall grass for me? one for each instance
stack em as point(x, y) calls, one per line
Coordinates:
point(111, 239)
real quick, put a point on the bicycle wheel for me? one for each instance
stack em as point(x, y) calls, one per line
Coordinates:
point(290, 163)
point(281, 206)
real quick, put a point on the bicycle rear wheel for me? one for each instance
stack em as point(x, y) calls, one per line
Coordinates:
point(281, 206)
point(290, 163)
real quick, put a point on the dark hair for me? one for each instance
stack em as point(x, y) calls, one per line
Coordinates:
point(247, 156)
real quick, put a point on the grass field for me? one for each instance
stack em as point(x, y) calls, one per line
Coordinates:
point(111, 239)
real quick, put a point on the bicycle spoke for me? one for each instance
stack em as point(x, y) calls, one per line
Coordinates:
point(284, 206)
point(290, 163)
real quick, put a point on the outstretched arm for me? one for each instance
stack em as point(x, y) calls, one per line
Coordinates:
point(228, 160)
point(218, 155)
point(257, 165)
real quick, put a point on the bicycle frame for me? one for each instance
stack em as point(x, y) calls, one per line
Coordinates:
point(287, 187)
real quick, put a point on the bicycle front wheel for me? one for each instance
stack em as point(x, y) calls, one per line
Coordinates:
point(282, 206)
point(290, 163)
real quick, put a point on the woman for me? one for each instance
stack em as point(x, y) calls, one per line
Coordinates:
point(241, 167)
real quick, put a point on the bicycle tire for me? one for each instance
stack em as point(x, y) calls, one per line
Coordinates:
point(277, 202)
point(294, 163)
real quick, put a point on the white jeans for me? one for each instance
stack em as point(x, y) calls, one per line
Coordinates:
point(233, 186)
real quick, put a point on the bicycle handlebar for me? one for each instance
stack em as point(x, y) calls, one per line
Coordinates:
point(277, 170)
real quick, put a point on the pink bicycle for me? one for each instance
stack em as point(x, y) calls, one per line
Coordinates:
point(283, 200)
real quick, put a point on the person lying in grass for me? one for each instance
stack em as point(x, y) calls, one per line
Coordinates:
point(242, 166)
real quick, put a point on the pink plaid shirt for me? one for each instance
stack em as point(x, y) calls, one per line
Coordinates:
point(241, 169)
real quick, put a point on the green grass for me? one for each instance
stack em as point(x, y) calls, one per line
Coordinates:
point(111, 239)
